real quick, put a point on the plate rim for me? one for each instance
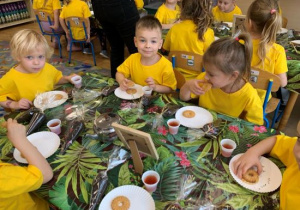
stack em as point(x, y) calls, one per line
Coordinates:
point(58, 102)
point(297, 41)
point(131, 98)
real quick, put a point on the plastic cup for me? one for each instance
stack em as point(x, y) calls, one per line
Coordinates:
point(227, 147)
point(77, 81)
point(173, 126)
point(150, 180)
point(147, 90)
point(54, 126)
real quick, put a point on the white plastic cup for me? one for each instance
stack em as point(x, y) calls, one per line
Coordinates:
point(54, 126)
point(227, 147)
point(77, 81)
point(173, 125)
point(147, 90)
point(150, 180)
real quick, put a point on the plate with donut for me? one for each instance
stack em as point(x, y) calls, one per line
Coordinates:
point(129, 197)
point(268, 181)
point(193, 116)
point(50, 99)
point(45, 142)
point(131, 93)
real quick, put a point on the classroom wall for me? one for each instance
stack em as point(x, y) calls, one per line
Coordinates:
point(290, 10)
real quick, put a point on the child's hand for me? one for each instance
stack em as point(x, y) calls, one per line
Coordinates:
point(24, 103)
point(194, 87)
point(246, 161)
point(124, 84)
point(151, 83)
point(88, 38)
point(69, 78)
point(15, 131)
point(55, 26)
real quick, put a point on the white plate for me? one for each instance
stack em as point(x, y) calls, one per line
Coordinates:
point(46, 100)
point(46, 142)
point(138, 197)
point(296, 42)
point(269, 179)
point(229, 24)
point(201, 118)
point(282, 31)
point(122, 94)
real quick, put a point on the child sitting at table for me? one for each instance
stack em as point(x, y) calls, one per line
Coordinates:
point(52, 7)
point(17, 182)
point(32, 74)
point(192, 34)
point(147, 67)
point(225, 10)
point(263, 21)
point(227, 69)
point(76, 8)
point(168, 14)
point(287, 150)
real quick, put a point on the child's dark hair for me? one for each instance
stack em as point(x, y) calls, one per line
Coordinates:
point(199, 11)
point(148, 22)
point(231, 54)
point(266, 21)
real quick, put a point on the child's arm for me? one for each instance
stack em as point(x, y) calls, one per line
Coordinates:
point(88, 29)
point(55, 26)
point(251, 157)
point(16, 133)
point(122, 81)
point(283, 79)
point(64, 26)
point(156, 87)
point(21, 104)
point(189, 87)
point(66, 79)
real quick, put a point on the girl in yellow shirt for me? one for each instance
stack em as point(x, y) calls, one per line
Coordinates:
point(227, 69)
point(225, 10)
point(168, 14)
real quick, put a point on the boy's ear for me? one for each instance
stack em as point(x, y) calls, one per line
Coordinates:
point(235, 74)
point(135, 41)
point(161, 43)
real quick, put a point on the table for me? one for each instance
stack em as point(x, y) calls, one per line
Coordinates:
point(185, 153)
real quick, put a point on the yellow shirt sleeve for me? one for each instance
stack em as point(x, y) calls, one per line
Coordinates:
point(139, 4)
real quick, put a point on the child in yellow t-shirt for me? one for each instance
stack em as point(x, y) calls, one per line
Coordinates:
point(225, 10)
point(287, 150)
point(32, 74)
point(192, 34)
point(17, 182)
point(227, 69)
point(52, 7)
point(76, 8)
point(168, 14)
point(147, 67)
point(263, 21)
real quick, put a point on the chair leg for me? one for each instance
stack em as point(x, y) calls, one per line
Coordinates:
point(267, 121)
point(59, 45)
point(93, 52)
point(70, 52)
point(275, 115)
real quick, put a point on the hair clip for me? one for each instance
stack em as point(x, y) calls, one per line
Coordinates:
point(240, 40)
point(237, 39)
point(273, 11)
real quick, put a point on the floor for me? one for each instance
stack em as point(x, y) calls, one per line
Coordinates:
point(7, 33)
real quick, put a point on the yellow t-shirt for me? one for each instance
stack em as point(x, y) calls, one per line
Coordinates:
point(16, 184)
point(244, 103)
point(183, 37)
point(290, 185)
point(139, 4)
point(161, 72)
point(17, 85)
point(76, 8)
point(166, 15)
point(50, 6)
point(224, 16)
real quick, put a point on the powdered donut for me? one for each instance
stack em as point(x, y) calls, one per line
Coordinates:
point(120, 203)
point(205, 85)
point(188, 114)
point(251, 176)
point(130, 83)
point(131, 91)
point(58, 97)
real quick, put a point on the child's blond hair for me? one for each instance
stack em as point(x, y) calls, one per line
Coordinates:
point(26, 41)
point(199, 11)
point(148, 22)
point(266, 21)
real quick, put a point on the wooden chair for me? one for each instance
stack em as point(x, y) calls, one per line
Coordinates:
point(79, 22)
point(42, 16)
point(265, 80)
point(185, 60)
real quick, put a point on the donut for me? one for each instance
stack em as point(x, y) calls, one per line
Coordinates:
point(58, 97)
point(131, 91)
point(120, 203)
point(206, 86)
point(130, 83)
point(188, 114)
point(251, 176)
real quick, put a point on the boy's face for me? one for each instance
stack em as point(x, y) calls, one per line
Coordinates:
point(32, 62)
point(226, 5)
point(148, 41)
point(297, 151)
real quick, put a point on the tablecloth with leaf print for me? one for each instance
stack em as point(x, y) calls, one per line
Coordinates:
point(185, 153)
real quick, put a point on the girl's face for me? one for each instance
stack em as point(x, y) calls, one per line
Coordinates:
point(226, 5)
point(171, 1)
point(33, 62)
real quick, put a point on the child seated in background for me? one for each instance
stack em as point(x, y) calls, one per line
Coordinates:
point(17, 182)
point(76, 8)
point(225, 10)
point(287, 150)
point(147, 67)
point(32, 74)
point(192, 34)
point(168, 14)
point(52, 7)
point(139, 4)
point(227, 68)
